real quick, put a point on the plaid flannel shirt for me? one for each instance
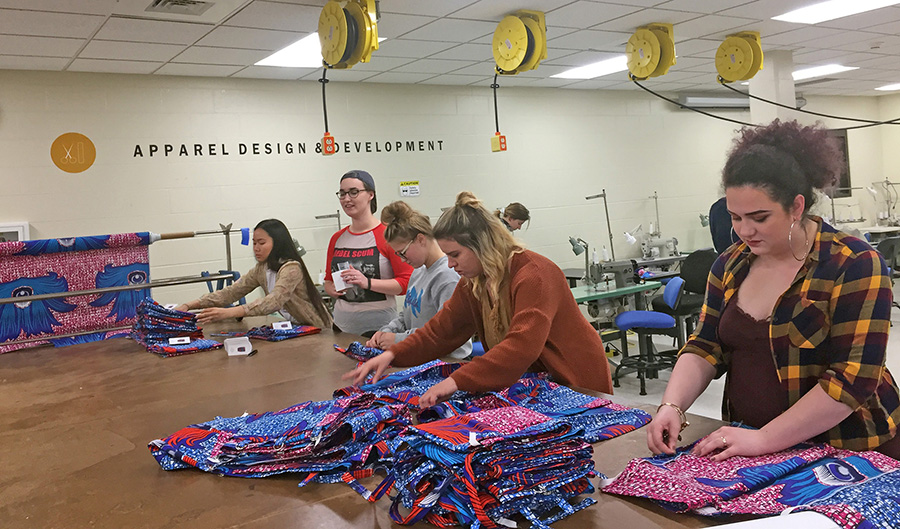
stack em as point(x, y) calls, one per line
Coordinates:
point(829, 328)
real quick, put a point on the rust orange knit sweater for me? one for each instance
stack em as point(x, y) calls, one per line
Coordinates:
point(547, 333)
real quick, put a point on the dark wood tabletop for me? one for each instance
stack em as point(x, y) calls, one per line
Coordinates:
point(75, 423)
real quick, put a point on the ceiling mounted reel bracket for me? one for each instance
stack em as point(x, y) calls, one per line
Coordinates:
point(348, 32)
point(739, 56)
point(651, 50)
point(520, 42)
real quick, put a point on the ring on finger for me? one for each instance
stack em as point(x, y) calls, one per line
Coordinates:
point(724, 442)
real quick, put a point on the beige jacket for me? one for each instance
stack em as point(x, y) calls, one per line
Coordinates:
point(289, 295)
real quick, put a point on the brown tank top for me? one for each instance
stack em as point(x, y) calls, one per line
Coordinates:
point(753, 392)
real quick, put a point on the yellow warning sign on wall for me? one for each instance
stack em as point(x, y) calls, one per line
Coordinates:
point(73, 152)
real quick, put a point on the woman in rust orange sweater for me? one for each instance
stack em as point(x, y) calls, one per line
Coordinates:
point(517, 301)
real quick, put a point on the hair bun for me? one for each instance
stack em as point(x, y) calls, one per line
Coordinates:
point(467, 199)
point(397, 211)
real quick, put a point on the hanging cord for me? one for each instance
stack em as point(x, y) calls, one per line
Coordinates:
point(495, 86)
point(871, 123)
point(697, 110)
point(324, 81)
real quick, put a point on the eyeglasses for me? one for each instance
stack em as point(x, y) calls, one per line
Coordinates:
point(402, 253)
point(353, 192)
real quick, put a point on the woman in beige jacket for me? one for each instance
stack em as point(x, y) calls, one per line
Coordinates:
point(283, 276)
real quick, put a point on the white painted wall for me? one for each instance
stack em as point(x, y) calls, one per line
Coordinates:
point(564, 145)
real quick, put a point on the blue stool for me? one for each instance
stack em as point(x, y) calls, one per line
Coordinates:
point(646, 323)
point(477, 348)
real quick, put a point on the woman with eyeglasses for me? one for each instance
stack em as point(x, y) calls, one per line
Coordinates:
point(280, 272)
point(516, 300)
point(432, 282)
point(371, 271)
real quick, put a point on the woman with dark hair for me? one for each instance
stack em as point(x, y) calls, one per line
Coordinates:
point(283, 276)
point(517, 301)
point(796, 314)
point(371, 274)
point(513, 216)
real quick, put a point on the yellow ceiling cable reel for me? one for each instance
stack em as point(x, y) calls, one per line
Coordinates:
point(519, 45)
point(651, 50)
point(348, 33)
point(520, 42)
point(739, 57)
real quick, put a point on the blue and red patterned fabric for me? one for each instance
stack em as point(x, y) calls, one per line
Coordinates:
point(855, 489)
point(358, 351)
point(475, 460)
point(52, 266)
point(482, 468)
point(327, 441)
point(274, 335)
point(156, 325)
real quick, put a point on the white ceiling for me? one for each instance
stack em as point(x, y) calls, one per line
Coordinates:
point(438, 41)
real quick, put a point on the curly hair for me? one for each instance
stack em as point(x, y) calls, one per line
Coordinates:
point(785, 159)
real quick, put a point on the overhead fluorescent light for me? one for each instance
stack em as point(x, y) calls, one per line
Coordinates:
point(819, 71)
point(597, 69)
point(889, 87)
point(305, 53)
point(831, 10)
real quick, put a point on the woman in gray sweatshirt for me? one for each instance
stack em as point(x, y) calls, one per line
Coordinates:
point(432, 282)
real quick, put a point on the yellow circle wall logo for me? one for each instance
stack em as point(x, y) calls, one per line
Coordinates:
point(73, 152)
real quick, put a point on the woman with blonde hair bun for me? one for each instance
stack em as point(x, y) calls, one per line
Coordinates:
point(432, 282)
point(516, 300)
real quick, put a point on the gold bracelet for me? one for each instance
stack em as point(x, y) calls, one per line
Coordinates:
point(681, 415)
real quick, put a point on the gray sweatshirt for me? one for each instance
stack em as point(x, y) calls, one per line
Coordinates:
point(429, 287)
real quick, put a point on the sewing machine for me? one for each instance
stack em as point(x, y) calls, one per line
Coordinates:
point(654, 247)
point(622, 271)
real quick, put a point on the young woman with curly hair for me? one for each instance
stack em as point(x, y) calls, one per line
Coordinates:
point(796, 314)
point(517, 301)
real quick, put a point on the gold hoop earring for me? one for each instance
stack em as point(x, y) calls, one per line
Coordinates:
point(791, 243)
point(733, 233)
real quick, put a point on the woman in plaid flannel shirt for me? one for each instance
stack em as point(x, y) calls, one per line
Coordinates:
point(796, 314)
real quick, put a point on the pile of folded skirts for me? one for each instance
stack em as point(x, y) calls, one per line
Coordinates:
point(473, 460)
point(161, 331)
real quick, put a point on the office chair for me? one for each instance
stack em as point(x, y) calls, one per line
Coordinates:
point(646, 323)
point(890, 250)
point(695, 272)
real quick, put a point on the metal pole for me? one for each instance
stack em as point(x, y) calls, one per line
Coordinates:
point(185, 280)
point(67, 335)
point(612, 249)
point(226, 230)
point(335, 215)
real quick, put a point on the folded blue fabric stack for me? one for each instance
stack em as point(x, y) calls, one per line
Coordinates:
point(476, 459)
point(480, 469)
point(328, 441)
point(156, 325)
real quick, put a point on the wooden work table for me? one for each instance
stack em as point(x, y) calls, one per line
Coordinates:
point(75, 423)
